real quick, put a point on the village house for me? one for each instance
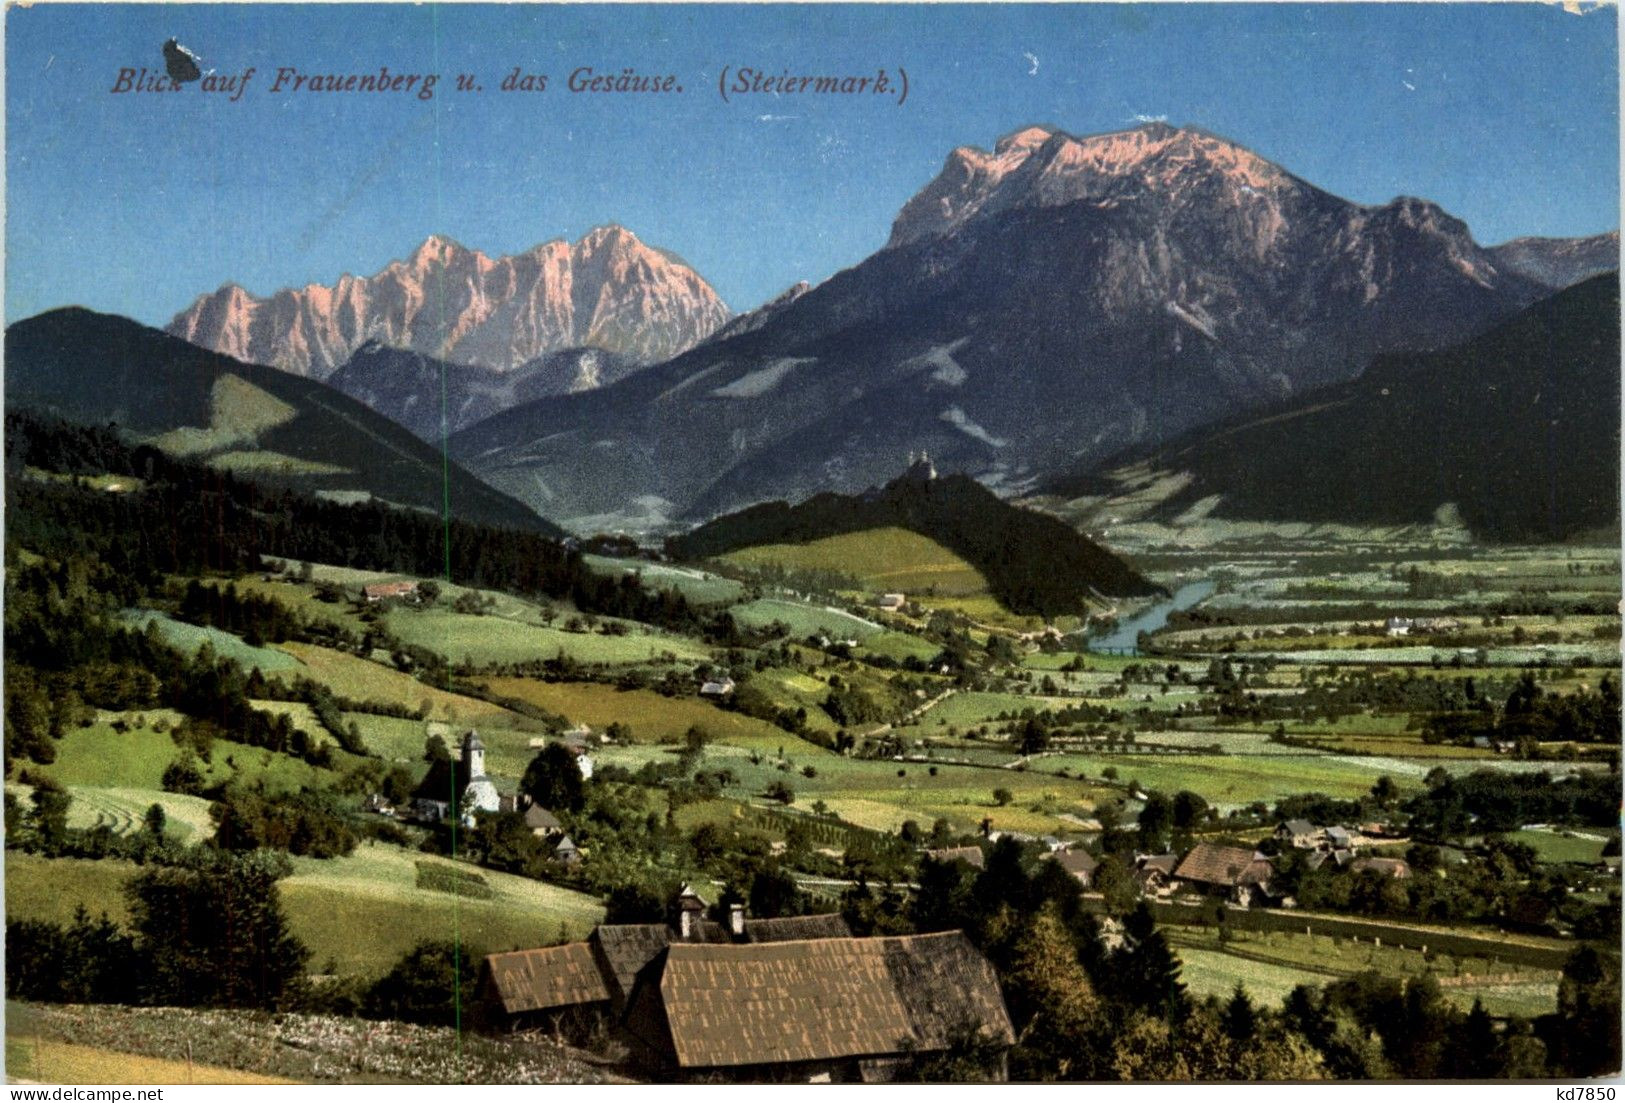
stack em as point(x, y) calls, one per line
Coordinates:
point(520, 990)
point(971, 855)
point(1339, 858)
point(891, 603)
point(1340, 838)
point(578, 741)
point(1154, 874)
point(1079, 863)
point(719, 687)
point(1299, 834)
point(542, 823)
point(1237, 872)
point(384, 591)
point(850, 1010)
point(565, 852)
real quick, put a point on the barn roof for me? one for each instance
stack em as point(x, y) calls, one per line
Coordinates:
point(971, 854)
point(797, 928)
point(538, 817)
point(785, 1002)
point(628, 947)
point(555, 976)
point(1075, 861)
point(1212, 864)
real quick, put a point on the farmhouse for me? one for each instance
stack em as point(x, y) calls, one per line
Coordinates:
point(555, 986)
point(1235, 871)
point(1299, 834)
point(509, 992)
point(384, 591)
point(718, 688)
point(841, 1009)
point(542, 823)
point(971, 855)
point(1339, 838)
point(1079, 863)
point(1154, 873)
point(892, 603)
point(1400, 626)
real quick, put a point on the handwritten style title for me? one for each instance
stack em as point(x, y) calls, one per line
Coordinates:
point(732, 81)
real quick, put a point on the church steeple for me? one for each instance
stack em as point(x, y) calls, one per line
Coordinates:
point(473, 756)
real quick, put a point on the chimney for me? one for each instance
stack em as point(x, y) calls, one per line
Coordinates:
point(736, 920)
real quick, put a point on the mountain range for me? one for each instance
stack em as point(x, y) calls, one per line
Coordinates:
point(1516, 430)
point(608, 290)
point(1038, 307)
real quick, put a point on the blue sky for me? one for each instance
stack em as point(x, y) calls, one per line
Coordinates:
point(1505, 114)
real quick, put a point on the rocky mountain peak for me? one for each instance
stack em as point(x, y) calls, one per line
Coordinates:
point(1041, 167)
point(448, 301)
point(1023, 141)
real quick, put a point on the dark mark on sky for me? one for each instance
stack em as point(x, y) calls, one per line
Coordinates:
point(181, 63)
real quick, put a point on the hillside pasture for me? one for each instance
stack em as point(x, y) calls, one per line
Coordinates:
point(361, 913)
point(123, 811)
point(884, 560)
point(1229, 781)
point(696, 586)
point(36, 1060)
point(362, 680)
point(1271, 964)
point(802, 620)
point(652, 717)
point(483, 640)
point(190, 637)
point(100, 757)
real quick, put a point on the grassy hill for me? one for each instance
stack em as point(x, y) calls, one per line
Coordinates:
point(1032, 562)
point(881, 559)
point(255, 421)
point(1517, 429)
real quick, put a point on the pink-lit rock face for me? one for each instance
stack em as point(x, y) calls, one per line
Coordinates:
point(1040, 167)
point(607, 290)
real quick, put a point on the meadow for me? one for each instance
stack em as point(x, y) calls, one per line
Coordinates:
point(358, 914)
point(375, 890)
point(652, 717)
point(803, 620)
point(483, 640)
point(362, 680)
point(102, 757)
point(884, 560)
point(190, 637)
point(1270, 964)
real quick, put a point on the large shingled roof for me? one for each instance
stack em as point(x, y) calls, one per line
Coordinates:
point(785, 1002)
point(555, 976)
point(1212, 864)
point(628, 947)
